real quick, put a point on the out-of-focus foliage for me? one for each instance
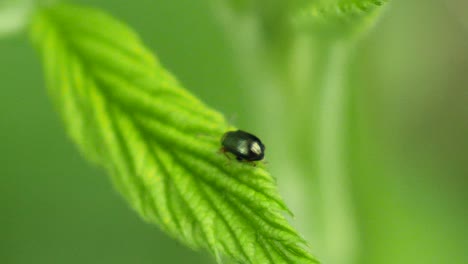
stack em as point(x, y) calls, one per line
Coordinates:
point(409, 180)
point(348, 17)
point(335, 18)
point(14, 15)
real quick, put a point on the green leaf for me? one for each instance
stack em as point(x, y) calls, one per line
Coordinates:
point(338, 17)
point(158, 142)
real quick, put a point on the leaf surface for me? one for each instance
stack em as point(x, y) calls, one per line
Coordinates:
point(158, 142)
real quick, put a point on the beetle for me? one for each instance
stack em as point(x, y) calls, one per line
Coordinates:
point(245, 146)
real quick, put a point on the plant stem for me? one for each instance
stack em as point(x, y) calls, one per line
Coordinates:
point(329, 141)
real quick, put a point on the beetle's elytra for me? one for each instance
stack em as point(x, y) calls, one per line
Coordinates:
point(245, 146)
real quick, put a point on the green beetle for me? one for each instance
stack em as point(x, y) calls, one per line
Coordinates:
point(245, 146)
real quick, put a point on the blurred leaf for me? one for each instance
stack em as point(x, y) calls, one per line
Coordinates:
point(159, 143)
point(14, 15)
point(333, 17)
point(338, 17)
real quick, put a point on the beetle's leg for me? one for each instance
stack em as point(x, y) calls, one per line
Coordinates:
point(223, 151)
point(227, 162)
point(239, 158)
point(252, 163)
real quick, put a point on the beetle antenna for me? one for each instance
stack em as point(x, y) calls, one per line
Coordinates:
point(233, 118)
point(200, 135)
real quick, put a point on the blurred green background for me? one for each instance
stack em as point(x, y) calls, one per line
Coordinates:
point(409, 181)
